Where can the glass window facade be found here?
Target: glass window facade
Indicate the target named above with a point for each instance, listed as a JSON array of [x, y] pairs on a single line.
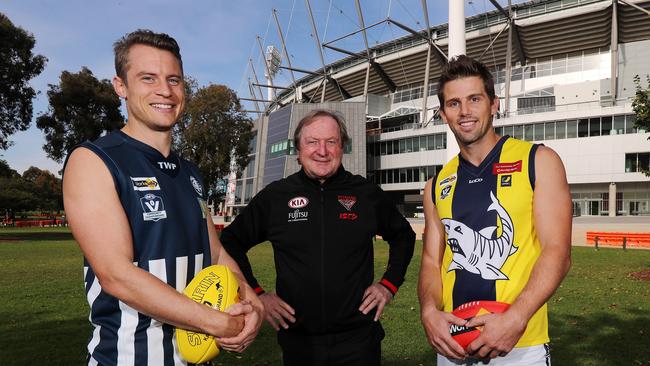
[[406, 145], [585, 127], [404, 175], [637, 162]]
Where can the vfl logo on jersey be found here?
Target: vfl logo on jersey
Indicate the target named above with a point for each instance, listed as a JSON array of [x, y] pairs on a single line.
[[347, 201], [506, 168], [298, 202], [445, 192], [197, 186], [449, 179], [476, 252], [153, 207], [145, 184], [506, 180]]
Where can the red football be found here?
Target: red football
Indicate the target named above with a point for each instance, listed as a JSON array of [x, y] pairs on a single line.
[[464, 335]]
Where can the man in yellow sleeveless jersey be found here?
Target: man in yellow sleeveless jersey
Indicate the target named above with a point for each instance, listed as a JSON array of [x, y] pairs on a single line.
[[498, 228]]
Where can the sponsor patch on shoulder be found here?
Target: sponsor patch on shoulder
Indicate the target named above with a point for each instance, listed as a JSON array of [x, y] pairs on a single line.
[[145, 184], [506, 168], [450, 179]]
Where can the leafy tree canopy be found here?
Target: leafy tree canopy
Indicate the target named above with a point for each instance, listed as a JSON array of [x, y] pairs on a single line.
[[18, 65], [17, 195], [6, 171], [81, 108], [641, 103], [214, 132], [47, 188], [36, 190]]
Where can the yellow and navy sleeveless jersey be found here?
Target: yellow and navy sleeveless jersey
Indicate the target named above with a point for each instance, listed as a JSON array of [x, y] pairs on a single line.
[[491, 243], [164, 201]]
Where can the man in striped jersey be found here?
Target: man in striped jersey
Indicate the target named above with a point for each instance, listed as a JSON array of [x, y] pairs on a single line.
[[138, 212]]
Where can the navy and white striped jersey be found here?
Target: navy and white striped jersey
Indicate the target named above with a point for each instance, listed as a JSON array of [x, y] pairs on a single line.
[[164, 200]]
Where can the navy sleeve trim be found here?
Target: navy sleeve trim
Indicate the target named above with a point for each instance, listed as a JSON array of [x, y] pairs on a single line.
[[434, 181], [531, 165]]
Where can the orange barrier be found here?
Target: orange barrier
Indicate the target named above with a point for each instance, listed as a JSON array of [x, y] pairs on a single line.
[[37, 223], [616, 239]]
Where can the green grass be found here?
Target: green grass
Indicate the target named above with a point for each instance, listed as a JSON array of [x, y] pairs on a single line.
[[43, 311], [599, 316]]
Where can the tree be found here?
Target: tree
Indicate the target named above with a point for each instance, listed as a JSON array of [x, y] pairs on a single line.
[[641, 108], [214, 132], [18, 65], [191, 86], [47, 188], [17, 195], [36, 189], [81, 108], [6, 171], [641, 104]]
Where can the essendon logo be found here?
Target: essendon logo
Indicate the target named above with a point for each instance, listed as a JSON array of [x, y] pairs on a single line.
[[506, 168], [347, 201], [298, 202]]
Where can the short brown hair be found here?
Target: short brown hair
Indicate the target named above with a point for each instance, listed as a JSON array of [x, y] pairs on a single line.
[[340, 121], [461, 67], [145, 37]]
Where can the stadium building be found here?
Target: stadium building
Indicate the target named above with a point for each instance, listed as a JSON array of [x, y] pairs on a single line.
[[564, 73]]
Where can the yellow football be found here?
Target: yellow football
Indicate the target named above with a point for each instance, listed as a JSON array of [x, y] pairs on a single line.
[[214, 286]]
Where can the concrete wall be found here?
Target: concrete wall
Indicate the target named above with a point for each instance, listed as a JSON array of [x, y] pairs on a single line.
[[600, 159], [632, 60]]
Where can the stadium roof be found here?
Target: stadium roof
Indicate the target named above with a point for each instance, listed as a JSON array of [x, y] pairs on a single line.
[[542, 29]]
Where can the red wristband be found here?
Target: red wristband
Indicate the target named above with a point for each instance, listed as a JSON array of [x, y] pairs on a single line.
[[392, 288]]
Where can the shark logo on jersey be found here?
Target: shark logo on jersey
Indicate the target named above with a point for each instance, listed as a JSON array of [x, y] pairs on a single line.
[[475, 252], [153, 207]]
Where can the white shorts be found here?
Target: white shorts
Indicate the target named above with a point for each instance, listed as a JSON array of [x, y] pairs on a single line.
[[538, 355]]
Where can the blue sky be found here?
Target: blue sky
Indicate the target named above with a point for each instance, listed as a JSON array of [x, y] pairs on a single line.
[[216, 37]]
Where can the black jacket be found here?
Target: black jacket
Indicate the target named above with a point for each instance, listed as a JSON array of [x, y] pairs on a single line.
[[322, 237]]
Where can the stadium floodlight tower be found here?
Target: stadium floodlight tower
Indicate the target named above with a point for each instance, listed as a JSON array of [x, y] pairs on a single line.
[[456, 48], [273, 60]]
